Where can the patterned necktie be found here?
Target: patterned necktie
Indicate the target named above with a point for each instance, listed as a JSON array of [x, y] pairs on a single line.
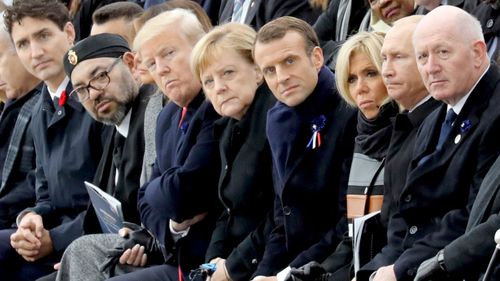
[[237, 10], [446, 128]]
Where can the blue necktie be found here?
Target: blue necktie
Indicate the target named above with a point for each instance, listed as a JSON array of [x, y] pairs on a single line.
[[446, 128], [237, 10]]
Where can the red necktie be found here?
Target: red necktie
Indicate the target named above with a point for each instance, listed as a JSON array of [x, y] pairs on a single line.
[[183, 113], [62, 99]]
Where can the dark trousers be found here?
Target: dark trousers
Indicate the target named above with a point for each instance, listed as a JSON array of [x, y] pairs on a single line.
[[14, 268], [155, 273]]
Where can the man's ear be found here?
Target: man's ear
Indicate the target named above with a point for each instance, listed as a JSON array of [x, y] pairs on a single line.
[[317, 57], [258, 75], [128, 59], [69, 29], [479, 50]]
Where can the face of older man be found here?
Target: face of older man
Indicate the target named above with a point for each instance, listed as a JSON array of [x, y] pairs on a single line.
[[447, 61], [290, 72], [106, 88], [391, 10], [399, 66], [167, 58]]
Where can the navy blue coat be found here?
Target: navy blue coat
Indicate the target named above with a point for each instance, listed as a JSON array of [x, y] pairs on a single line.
[[310, 184], [184, 179], [434, 204], [68, 144]]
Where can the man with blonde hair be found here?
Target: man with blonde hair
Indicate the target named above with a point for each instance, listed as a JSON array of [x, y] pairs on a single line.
[[179, 205]]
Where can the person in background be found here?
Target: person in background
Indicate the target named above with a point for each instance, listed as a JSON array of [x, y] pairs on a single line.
[[258, 13], [117, 18]]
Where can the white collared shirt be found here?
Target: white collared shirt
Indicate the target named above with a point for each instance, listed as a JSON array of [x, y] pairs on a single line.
[[422, 101], [460, 104], [122, 129], [59, 89]]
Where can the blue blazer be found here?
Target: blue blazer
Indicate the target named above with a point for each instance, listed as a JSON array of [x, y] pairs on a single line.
[[68, 145], [310, 184], [184, 180]]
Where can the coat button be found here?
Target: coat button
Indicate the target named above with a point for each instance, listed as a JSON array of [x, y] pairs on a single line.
[[226, 167], [407, 198], [254, 261], [287, 211], [413, 230], [489, 23], [228, 211], [59, 112]]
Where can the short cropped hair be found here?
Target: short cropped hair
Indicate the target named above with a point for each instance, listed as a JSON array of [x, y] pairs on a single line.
[[173, 4], [368, 43], [52, 10], [278, 28], [118, 10], [185, 22], [211, 47]]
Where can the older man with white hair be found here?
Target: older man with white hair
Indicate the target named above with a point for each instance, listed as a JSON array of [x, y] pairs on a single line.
[[456, 144]]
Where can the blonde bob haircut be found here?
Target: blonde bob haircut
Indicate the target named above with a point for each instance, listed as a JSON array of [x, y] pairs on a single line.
[[184, 21], [369, 43], [211, 47]]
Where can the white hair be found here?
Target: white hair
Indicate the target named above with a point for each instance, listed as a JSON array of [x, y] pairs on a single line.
[[184, 20]]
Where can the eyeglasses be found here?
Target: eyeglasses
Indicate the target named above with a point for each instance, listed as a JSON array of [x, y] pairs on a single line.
[[98, 83]]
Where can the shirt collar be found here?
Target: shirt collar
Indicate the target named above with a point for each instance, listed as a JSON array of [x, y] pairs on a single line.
[[422, 101], [123, 127], [460, 104], [60, 89]]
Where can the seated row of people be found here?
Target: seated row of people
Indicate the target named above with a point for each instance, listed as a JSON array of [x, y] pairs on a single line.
[[261, 191]]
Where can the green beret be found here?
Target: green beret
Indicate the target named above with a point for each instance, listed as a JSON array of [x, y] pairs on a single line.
[[96, 46]]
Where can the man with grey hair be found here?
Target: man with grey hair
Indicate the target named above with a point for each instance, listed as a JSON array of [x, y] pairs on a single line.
[[455, 146], [17, 152]]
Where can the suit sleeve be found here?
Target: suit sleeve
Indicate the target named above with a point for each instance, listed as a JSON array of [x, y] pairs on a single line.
[[243, 260], [275, 256], [326, 24], [216, 247], [472, 250]]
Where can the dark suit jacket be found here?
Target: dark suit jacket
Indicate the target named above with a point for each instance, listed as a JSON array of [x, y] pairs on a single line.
[[184, 180], [17, 185], [433, 205], [245, 182], [310, 184], [489, 17], [68, 145], [468, 256], [130, 170], [261, 12]]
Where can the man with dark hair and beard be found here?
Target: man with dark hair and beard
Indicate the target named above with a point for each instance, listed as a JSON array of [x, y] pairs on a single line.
[[100, 68]]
